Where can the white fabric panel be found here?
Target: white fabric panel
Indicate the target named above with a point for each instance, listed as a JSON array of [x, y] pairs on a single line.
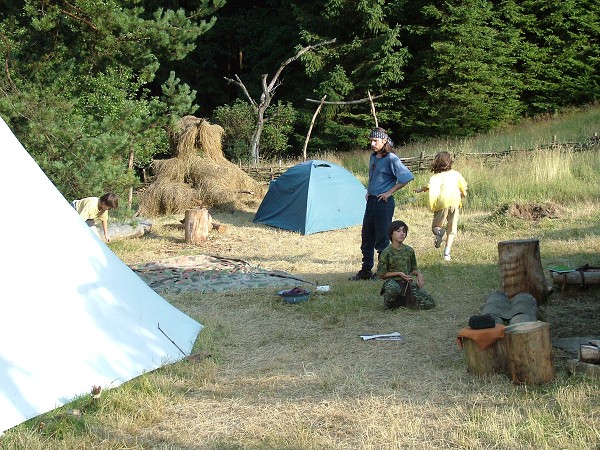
[[73, 315]]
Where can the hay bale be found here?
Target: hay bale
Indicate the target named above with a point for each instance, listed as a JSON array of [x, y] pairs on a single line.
[[197, 137], [167, 197], [198, 175], [172, 170]]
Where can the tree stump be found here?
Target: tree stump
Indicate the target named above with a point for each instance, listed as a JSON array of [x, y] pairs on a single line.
[[197, 224], [487, 361], [521, 269], [529, 353]]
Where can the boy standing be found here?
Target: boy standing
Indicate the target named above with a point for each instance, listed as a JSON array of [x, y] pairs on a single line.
[[91, 209], [397, 265]]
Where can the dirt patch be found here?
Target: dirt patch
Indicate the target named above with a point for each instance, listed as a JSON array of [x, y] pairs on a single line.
[[572, 313], [530, 211]]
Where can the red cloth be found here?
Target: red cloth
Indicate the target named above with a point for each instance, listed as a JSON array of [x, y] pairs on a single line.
[[483, 338]]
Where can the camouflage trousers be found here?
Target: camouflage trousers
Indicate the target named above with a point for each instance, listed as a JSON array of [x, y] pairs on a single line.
[[394, 296]]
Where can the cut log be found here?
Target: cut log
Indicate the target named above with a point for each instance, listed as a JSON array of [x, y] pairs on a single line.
[[578, 367], [529, 353], [521, 269], [487, 361], [219, 227], [120, 231], [575, 277], [589, 354], [197, 224]]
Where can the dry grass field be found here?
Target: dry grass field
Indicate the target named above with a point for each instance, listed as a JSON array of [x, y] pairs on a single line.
[[299, 376]]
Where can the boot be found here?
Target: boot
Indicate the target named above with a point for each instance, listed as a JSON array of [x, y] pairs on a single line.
[[362, 275]]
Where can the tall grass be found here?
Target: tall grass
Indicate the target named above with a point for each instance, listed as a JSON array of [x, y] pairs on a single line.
[[533, 177], [576, 125], [555, 176]]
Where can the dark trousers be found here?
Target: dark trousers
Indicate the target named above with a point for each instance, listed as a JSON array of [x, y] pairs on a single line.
[[374, 234]]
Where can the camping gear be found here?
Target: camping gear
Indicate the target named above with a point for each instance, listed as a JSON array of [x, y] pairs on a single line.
[[295, 295], [74, 316], [312, 197], [481, 321], [583, 276]]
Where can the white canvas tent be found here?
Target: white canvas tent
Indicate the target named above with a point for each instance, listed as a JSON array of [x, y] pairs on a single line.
[[73, 315]]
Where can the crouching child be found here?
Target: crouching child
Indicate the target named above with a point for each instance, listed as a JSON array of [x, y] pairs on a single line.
[[397, 266]]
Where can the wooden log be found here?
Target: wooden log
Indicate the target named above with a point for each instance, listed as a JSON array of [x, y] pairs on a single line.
[[574, 277], [521, 269], [197, 224], [589, 354], [487, 361], [578, 367], [529, 353]]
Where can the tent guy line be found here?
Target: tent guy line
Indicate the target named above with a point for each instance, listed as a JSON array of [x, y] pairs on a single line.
[[167, 336]]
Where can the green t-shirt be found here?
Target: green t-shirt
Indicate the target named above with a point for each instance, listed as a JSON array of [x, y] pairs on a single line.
[[392, 260]]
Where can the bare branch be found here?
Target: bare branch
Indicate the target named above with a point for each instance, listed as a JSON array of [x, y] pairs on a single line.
[[312, 123], [295, 57], [239, 83], [373, 108], [350, 102], [78, 18]]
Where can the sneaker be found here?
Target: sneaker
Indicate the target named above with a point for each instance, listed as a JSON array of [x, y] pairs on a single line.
[[362, 275], [447, 257], [439, 237]]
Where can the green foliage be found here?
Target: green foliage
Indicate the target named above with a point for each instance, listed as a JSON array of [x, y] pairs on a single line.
[[77, 93], [239, 122], [96, 80]]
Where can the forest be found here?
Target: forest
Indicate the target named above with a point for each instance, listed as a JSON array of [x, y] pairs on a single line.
[[94, 89]]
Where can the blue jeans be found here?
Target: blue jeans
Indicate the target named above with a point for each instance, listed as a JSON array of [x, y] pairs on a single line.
[[374, 234]]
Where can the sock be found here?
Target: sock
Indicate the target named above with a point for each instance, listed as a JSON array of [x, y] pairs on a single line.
[[447, 251]]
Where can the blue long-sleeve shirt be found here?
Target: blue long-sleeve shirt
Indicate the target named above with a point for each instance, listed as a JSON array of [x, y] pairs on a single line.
[[385, 172]]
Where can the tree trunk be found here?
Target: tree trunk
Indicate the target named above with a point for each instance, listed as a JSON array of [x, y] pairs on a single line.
[[197, 225], [254, 146], [521, 269], [487, 361], [529, 353]]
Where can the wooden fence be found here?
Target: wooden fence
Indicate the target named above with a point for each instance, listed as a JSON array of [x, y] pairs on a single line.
[[422, 162]]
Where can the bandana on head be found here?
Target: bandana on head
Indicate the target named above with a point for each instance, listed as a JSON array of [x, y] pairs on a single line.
[[378, 134]]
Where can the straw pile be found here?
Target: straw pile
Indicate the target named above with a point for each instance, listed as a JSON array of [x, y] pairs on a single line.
[[198, 175]]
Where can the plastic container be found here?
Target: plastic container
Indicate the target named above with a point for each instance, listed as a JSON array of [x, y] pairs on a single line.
[[293, 298]]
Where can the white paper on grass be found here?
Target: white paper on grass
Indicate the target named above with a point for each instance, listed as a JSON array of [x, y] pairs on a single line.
[[395, 336]]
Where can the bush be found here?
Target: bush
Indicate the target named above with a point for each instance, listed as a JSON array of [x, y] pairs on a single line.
[[239, 122]]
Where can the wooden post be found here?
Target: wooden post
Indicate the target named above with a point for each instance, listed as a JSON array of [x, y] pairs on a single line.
[[197, 224], [373, 109], [487, 361], [529, 353], [312, 124], [521, 269]]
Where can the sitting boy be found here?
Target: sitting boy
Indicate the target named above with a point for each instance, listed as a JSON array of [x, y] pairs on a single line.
[[397, 264]]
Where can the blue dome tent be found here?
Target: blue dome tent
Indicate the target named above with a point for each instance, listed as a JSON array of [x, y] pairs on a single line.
[[312, 197]]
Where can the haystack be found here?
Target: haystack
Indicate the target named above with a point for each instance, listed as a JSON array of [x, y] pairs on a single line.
[[197, 175]]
